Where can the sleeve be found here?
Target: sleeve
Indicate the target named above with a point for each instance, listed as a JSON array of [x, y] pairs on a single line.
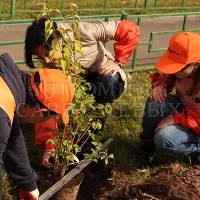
[[160, 79], [127, 36], [5, 127], [188, 119], [125, 33]]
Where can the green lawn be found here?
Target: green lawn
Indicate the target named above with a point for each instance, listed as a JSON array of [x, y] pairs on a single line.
[[92, 6], [125, 123]]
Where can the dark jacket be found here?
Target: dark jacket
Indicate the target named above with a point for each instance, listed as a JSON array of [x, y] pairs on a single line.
[[12, 147]]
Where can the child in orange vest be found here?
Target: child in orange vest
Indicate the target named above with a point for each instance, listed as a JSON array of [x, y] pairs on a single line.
[[26, 98]]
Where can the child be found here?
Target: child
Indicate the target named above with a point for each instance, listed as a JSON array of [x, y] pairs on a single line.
[[22, 96], [103, 70], [171, 123]]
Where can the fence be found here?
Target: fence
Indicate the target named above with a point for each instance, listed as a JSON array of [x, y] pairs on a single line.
[[23, 6], [139, 19]]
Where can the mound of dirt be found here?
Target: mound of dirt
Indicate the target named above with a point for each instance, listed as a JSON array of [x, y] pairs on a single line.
[[174, 182]]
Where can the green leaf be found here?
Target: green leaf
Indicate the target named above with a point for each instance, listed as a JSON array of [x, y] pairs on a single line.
[[94, 143], [99, 125], [108, 109], [100, 106], [48, 24], [94, 126], [55, 44], [70, 77], [52, 54], [58, 11], [48, 33], [77, 17], [63, 64], [106, 161], [52, 141], [67, 30], [74, 6], [111, 156], [67, 53], [103, 157]]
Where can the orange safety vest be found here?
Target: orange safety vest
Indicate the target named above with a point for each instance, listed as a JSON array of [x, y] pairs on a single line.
[[7, 100]]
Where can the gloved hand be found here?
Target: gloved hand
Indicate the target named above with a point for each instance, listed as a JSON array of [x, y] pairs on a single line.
[[33, 195]]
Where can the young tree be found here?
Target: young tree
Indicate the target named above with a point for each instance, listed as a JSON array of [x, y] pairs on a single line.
[[85, 114]]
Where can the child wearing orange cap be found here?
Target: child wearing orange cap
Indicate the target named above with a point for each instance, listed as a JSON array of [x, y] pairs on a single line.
[[171, 123], [27, 97]]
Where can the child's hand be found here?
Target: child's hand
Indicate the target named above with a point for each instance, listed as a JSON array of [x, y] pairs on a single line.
[[158, 94], [168, 121], [48, 159], [108, 67]]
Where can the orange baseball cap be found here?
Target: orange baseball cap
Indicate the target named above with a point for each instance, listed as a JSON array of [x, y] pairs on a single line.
[[184, 48], [54, 90]]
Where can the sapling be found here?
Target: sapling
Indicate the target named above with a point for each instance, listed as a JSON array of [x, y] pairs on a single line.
[[85, 115]]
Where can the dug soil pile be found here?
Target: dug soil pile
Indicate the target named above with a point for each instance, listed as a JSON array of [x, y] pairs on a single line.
[[170, 183]]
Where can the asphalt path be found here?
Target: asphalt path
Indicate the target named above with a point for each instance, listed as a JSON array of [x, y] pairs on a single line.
[[17, 32]]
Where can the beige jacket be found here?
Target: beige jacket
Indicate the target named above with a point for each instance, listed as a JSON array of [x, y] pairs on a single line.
[[92, 36]]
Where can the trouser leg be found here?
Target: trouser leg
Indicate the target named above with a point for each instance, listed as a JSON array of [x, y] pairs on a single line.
[[154, 113], [177, 139], [106, 88]]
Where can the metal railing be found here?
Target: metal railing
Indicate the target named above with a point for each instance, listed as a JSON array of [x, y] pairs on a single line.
[[139, 18], [27, 6]]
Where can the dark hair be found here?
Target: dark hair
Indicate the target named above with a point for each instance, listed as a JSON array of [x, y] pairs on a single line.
[[35, 36], [196, 81]]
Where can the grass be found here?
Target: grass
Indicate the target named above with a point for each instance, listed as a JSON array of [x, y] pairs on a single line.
[[125, 123], [92, 5]]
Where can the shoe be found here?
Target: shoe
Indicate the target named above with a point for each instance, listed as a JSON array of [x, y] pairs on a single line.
[[144, 159], [194, 158]]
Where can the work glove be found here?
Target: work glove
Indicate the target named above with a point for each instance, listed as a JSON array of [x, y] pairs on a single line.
[[33, 195]]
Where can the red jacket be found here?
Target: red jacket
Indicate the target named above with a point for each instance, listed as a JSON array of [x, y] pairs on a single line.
[[189, 116]]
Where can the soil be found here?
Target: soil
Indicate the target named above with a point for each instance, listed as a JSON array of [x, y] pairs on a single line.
[[174, 182]]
